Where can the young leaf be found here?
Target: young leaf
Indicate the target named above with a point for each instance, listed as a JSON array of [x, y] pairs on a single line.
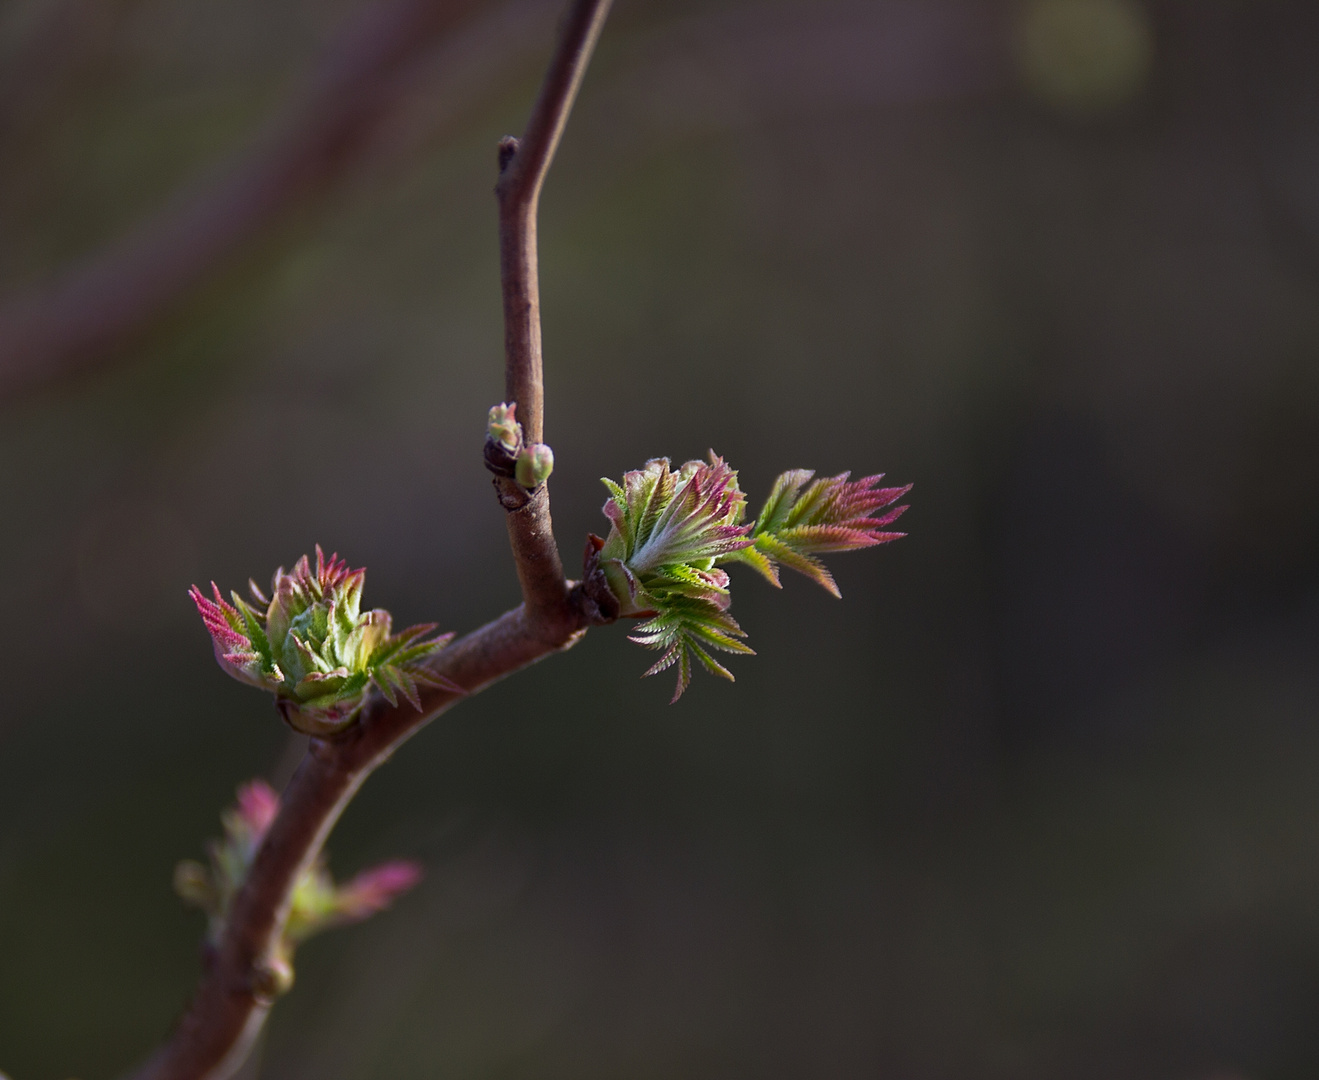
[[669, 531], [802, 519]]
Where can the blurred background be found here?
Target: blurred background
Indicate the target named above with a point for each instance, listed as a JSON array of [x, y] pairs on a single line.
[[1037, 799]]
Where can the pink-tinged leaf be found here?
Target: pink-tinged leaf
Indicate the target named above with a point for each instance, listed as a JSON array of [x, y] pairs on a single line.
[[426, 677], [237, 653], [684, 676], [386, 685], [663, 663], [759, 562], [781, 498], [408, 688], [711, 664], [804, 517], [616, 514], [773, 549], [257, 806], [374, 890], [220, 619], [889, 518]]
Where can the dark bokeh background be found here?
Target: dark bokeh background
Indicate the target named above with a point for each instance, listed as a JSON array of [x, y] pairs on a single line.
[[1037, 799]]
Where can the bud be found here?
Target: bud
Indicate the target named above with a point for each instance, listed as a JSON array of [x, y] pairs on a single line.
[[503, 427], [535, 463], [667, 529], [670, 531], [314, 647], [272, 978]]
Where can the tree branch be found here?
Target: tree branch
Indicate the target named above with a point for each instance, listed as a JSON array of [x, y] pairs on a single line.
[[522, 167], [230, 1006]]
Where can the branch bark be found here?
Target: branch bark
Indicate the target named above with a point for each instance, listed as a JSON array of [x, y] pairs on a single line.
[[523, 164]]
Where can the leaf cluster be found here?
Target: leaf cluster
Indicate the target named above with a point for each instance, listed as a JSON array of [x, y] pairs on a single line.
[[314, 648], [670, 531]]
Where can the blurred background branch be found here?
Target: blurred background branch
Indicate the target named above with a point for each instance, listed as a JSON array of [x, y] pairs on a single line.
[[395, 75], [329, 127]]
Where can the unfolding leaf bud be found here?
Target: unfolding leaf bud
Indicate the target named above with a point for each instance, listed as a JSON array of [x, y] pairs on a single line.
[[669, 531], [535, 463], [312, 645], [504, 428]]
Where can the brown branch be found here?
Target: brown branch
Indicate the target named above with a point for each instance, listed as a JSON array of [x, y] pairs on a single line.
[[523, 164], [230, 1006], [50, 331]]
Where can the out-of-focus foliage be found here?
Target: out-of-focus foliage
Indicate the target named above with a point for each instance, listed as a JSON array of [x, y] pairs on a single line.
[[318, 903]]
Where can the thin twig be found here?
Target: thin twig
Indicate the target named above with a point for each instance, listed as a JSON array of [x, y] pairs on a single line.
[[523, 164], [229, 1008]]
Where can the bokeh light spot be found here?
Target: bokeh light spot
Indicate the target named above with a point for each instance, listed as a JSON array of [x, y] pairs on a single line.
[[1084, 57]]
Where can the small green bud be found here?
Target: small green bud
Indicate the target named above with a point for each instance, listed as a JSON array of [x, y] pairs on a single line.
[[535, 463], [504, 428], [272, 978]]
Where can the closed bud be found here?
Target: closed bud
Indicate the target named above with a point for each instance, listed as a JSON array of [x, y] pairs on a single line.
[[535, 463]]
